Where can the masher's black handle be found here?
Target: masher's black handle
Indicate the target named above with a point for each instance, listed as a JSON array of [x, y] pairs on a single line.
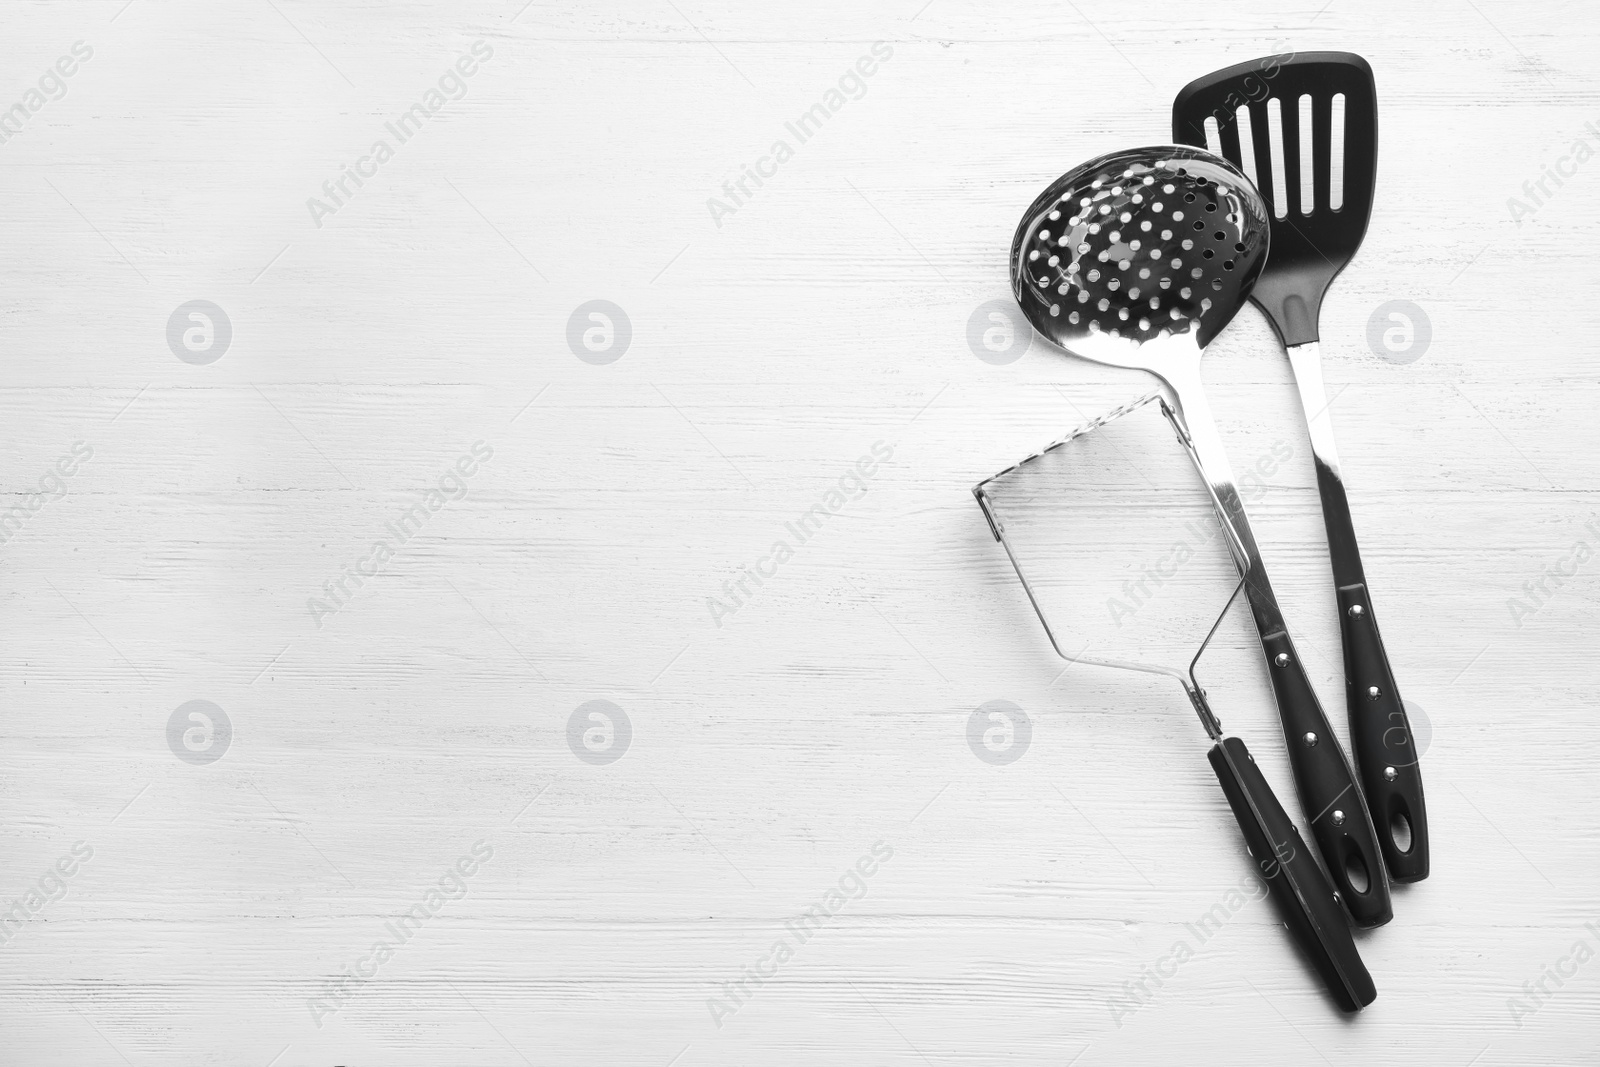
[[1333, 804], [1303, 895]]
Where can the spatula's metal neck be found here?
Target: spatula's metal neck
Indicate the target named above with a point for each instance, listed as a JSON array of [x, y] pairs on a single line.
[[1343, 550], [1306, 360]]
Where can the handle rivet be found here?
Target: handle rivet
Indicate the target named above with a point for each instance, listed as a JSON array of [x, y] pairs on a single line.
[[1310, 739], [1374, 692], [1355, 611], [1389, 774], [1338, 818], [1281, 659]]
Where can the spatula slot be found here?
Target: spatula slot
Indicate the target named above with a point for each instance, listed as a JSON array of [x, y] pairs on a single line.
[[1280, 190], [1247, 147], [1308, 162], [1213, 136], [1336, 155]]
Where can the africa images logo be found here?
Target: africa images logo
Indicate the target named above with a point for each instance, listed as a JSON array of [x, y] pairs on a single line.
[[810, 122], [451, 486], [400, 929], [851, 486], [851, 885], [451, 85]]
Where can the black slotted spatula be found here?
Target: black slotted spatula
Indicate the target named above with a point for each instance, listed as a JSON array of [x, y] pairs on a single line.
[[1313, 237]]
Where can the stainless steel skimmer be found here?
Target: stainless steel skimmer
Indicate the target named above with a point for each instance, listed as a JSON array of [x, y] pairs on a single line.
[[1139, 259]]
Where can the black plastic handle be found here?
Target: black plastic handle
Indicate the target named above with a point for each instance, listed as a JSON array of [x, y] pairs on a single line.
[[1380, 736], [1380, 733], [1304, 897], [1335, 807]]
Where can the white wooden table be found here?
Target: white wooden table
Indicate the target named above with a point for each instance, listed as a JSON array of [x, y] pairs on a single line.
[[382, 737]]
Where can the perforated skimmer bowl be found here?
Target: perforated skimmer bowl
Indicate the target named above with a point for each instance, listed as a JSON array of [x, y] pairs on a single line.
[[1139, 258]]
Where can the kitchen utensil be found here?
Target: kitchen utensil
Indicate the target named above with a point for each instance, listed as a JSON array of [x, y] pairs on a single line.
[[1138, 259], [1318, 184], [1067, 518]]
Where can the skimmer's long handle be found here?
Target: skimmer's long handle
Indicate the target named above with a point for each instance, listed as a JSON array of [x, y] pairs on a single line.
[[1380, 732], [1324, 781]]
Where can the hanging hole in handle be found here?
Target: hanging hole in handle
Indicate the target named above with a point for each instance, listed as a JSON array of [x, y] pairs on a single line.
[[1400, 831], [1355, 871]]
